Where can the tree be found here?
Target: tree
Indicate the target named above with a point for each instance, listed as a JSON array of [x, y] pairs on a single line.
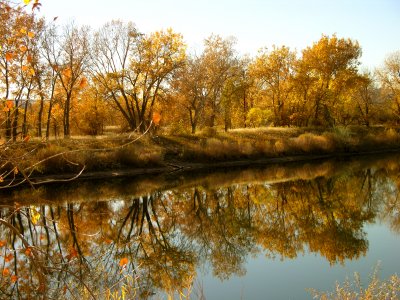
[[135, 70], [74, 59], [273, 72], [327, 70], [389, 77], [220, 59]]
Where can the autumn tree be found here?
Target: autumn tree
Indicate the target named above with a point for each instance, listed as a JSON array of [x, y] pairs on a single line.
[[273, 72], [389, 78], [220, 58], [71, 67], [16, 31], [327, 70], [134, 70]]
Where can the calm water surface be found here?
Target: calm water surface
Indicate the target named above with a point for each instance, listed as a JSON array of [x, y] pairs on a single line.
[[262, 233]]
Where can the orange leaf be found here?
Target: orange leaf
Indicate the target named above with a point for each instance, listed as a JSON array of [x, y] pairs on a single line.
[[83, 82], [6, 272], [123, 262], [9, 103], [8, 257], [67, 73], [24, 68], [29, 58], [23, 48], [26, 139], [156, 118], [31, 34], [14, 278], [72, 253], [9, 56], [28, 251], [3, 243]]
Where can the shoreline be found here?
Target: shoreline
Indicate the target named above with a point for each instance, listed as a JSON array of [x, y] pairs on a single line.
[[183, 166]]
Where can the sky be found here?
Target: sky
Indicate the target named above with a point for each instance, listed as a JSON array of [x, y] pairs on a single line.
[[256, 24]]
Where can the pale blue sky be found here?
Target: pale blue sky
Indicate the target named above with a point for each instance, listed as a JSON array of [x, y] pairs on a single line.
[[255, 23]]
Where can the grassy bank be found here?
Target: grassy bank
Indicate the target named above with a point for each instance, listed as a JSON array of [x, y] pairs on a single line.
[[123, 152]]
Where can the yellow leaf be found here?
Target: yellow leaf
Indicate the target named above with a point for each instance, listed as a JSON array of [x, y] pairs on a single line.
[[23, 31], [32, 71], [15, 171], [35, 215], [27, 2]]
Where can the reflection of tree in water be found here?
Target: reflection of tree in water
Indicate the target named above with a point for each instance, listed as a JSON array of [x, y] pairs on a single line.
[[75, 249]]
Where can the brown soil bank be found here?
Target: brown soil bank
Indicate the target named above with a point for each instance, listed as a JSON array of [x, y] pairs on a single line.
[[128, 155]]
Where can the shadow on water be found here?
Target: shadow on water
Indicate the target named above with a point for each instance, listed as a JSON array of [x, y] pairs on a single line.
[[148, 236]]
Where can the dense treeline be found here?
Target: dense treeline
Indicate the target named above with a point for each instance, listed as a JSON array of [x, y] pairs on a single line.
[[63, 80]]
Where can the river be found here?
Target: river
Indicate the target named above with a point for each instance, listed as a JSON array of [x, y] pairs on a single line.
[[265, 232]]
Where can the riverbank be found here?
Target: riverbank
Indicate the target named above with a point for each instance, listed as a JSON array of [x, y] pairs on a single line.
[[129, 155]]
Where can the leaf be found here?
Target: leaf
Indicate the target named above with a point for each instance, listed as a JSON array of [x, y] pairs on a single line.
[[67, 72], [16, 171], [6, 272], [35, 215], [29, 58], [9, 56], [27, 2], [72, 253], [14, 278], [83, 82], [31, 34], [156, 118], [28, 251], [23, 48], [24, 68], [8, 257], [123, 262], [27, 138], [32, 71], [23, 31], [3, 242], [9, 104]]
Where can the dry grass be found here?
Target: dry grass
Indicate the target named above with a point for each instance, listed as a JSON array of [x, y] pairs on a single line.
[[116, 152], [354, 290]]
